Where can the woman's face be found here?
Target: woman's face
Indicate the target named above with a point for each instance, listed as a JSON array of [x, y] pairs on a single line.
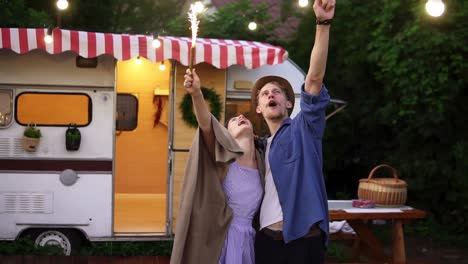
[[240, 125]]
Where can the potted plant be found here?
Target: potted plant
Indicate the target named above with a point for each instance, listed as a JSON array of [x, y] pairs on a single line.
[[31, 137], [72, 137]]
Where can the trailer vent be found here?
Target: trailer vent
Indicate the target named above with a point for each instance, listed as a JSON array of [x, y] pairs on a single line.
[[13, 147], [5, 147], [26, 203]]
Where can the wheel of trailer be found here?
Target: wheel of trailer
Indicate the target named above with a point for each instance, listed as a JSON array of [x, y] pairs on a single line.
[[67, 239]]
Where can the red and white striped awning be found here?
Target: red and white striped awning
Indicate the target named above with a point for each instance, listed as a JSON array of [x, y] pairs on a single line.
[[221, 53]]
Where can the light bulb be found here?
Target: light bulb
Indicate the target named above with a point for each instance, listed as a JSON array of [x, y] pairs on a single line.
[[303, 3], [138, 60], [48, 39], [156, 43], [162, 67], [62, 4], [435, 8], [252, 25], [198, 6]]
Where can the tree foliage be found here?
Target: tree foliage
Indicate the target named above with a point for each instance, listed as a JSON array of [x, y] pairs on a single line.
[[405, 77], [230, 22], [19, 14], [116, 16], [141, 16], [422, 67], [404, 74]]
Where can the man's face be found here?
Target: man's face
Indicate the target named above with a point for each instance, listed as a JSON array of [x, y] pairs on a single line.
[[272, 102]]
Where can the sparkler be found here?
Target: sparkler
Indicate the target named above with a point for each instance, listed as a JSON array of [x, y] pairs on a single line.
[[194, 10]]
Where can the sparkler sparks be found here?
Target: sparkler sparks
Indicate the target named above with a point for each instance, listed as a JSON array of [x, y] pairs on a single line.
[[194, 26], [195, 9]]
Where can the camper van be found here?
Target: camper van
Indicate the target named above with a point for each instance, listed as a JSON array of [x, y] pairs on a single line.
[[114, 135]]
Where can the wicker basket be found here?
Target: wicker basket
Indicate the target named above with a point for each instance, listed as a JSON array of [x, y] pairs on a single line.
[[388, 192]]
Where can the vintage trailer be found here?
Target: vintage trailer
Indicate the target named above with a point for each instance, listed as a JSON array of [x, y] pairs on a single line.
[[124, 97]]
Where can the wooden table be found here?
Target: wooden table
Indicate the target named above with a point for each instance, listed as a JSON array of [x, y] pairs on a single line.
[[358, 221]]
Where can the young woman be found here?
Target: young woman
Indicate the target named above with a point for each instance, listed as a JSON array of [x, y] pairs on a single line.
[[222, 189]]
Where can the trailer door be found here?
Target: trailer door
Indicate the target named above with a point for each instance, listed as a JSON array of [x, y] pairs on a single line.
[[141, 148]]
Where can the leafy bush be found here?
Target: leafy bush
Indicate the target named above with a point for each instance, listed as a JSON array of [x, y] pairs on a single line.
[[25, 246], [404, 76], [32, 131], [128, 248]]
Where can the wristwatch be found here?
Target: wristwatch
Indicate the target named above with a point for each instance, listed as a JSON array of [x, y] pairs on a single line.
[[324, 22]]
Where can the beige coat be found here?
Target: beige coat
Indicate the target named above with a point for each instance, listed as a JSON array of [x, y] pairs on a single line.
[[204, 215]]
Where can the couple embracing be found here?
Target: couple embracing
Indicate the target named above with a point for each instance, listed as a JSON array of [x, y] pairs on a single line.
[[230, 178]]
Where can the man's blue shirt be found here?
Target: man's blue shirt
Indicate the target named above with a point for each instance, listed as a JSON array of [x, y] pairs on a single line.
[[296, 165]]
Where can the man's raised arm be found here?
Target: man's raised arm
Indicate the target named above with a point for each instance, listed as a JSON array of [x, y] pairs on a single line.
[[324, 11]]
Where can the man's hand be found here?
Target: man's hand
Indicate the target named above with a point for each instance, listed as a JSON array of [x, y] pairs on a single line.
[[324, 9], [192, 82]]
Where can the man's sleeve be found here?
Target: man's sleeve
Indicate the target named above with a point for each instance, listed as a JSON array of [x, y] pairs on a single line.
[[313, 110]]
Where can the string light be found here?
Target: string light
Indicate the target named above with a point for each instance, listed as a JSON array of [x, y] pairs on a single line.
[[62, 4], [252, 25], [435, 8], [252, 16], [162, 67], [303, 3], [138, 60], [48, 37], [156, 43]]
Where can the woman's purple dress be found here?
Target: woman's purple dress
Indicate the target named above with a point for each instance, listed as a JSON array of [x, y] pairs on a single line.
[[244, 192]]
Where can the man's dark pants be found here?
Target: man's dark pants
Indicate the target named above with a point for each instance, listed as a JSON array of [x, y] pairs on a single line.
[[271, 249]]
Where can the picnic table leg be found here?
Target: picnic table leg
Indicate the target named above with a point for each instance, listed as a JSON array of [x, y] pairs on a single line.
[[356, 249], [369, 241], [399, 254]]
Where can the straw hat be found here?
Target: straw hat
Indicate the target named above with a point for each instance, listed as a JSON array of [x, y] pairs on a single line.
[[284, 84]]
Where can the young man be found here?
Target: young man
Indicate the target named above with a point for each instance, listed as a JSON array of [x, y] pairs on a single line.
[[294, 211]]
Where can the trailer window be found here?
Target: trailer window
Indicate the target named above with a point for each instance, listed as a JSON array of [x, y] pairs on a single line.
[[6, 107], [127, 112], [53, 109], [235, 107]]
